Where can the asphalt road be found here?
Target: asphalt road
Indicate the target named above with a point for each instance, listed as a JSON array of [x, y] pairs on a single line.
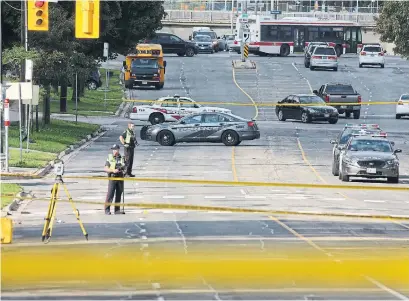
[[288, 152]]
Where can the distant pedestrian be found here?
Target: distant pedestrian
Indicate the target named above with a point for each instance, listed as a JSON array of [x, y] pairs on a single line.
[[114, 166], [128, 139]]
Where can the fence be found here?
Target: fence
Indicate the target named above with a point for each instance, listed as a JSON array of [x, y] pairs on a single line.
[[224, 17]]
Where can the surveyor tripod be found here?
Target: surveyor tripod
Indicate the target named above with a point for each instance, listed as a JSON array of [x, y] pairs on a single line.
[[49, 219]]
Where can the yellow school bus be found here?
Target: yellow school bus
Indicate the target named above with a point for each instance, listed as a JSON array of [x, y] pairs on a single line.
[[145, 67]]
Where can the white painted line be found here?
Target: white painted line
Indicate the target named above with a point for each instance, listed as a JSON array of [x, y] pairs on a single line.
[[173, 197], [144, 237], [254, 196], [334, 199], [160, 298], [407, 202], [142, 231], [215, 197], [242, 191], [275, 190], [142, 224], [144, 246], [391, 291], [295, 66], [374, 201], [133, 197], [141, 218], [95, 197], [295, 197]]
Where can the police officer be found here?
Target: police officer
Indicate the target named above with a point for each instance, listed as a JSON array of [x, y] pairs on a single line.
[[128, 139], [114, 166]]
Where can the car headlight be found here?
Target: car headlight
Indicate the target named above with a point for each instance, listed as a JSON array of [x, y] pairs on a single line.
[[155, 74], [350, 161], [312, 110], [392, 162]]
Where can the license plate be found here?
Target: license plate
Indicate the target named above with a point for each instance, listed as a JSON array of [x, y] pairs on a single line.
[[144, 83], [343, 107], [326, 115], [371, 170]]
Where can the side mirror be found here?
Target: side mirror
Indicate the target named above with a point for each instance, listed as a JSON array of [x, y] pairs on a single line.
[[315, 91], [397, 151], [333, 141], [164, 64]]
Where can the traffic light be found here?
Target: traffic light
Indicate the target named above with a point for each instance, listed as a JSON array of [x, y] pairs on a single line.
[[87, 19], [37, 15]]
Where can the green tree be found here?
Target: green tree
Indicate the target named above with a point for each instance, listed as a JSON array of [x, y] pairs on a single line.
[[393, 25]]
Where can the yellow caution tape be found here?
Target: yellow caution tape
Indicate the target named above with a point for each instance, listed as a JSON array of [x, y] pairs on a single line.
[[275, 104], [228, 183]]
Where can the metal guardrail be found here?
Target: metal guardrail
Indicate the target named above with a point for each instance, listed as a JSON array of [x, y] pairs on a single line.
[[224, 17]]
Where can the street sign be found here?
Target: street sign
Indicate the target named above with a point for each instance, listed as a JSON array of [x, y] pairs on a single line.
[[106, 47], [275, 12], [244, 15], [29, 70], [13, 93], [243, 20]]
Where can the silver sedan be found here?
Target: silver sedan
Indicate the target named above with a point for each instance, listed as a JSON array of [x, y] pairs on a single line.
[[205, 127], [370, 157]]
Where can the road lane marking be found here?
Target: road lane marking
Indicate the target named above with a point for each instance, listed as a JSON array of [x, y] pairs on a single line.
[[215, 197], [254, 196], [374, 201], [245, 93], [308, 241], [389, 290], [173, 197], [295, 67]]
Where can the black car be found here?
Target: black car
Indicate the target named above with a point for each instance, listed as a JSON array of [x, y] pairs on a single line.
[[173, 44], [306, 107]]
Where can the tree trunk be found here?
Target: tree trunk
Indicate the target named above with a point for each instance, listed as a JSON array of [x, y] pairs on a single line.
[[47, 111], [81, 85], [55, 88], [74, 90], [63, 97]]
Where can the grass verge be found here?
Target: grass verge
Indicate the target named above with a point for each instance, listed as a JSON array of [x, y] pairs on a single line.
[[92, 103], [8, 192], [49, 141]]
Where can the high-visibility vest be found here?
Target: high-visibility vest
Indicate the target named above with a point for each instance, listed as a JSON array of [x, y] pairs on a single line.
[[129, 135], [112, 161]]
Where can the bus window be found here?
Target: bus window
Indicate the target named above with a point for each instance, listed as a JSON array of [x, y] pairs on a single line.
[[285, 34], [325, 33], [359, 38], [269, 33], [338, 33], [312, 34]]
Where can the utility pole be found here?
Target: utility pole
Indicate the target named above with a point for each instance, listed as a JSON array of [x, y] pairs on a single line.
[[244, 13]]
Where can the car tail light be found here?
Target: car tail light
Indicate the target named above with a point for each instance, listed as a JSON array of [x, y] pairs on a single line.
[[316, 57], [250, 123], [383, 134], [326, 98], [235, 42], [380, 53], [332, 58], [400, 102], [363, 53], [134, 110], [359, 99]]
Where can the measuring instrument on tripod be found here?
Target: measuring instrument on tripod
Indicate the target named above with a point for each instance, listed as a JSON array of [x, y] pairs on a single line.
[[52, 208]]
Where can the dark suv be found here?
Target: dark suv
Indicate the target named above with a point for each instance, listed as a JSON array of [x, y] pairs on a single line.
[[173, 44]]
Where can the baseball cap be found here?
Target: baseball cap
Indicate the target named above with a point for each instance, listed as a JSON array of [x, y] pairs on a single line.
[[115, 146]]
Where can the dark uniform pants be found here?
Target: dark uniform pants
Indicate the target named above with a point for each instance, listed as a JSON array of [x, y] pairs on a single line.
[[129, 152], [115, 188]]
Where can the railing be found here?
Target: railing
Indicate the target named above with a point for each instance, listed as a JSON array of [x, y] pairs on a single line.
[[224, 17]]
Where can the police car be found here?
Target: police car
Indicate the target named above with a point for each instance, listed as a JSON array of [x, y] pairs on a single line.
[[170, 109]]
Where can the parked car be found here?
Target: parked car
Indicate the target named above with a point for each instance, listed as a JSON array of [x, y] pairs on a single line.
[[173, 44], [204, 43], [402, 107], [324, 57], [372, 55], [211, 34], [309, 50]]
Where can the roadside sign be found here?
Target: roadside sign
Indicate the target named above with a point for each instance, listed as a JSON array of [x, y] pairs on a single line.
[[243, 20], [29, 70], [244, 16], [275, 12], [106, 46]]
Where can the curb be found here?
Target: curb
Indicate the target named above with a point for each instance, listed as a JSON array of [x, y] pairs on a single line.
[[13, 206], [121, 106], [44, 171]]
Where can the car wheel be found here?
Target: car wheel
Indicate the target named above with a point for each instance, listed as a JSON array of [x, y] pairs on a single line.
[[144, 129], [190, 52], [156, 118], [312, 68], [284, 50], [158, 87], [398, 116], [281, 115], [357, 114], [92, 85], [166, 138], [333, 120], [382, 66], [345, 178], [335, 170], [393, 180], [360, 65], [230, 138], [338, 50], [306, 65], [347, 114], [305, 117], [336, 69]]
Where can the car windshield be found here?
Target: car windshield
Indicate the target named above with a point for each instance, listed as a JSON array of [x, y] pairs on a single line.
[[340, 89], [405, 97], [372, 49], [230, 37], [211, 34], [324, 51], [311, 99], [370, 146], [145, 63], [348, 134], [203, 38]]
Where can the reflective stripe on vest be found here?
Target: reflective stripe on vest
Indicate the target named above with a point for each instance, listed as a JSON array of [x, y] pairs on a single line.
[[112, 161], [129, 135]]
